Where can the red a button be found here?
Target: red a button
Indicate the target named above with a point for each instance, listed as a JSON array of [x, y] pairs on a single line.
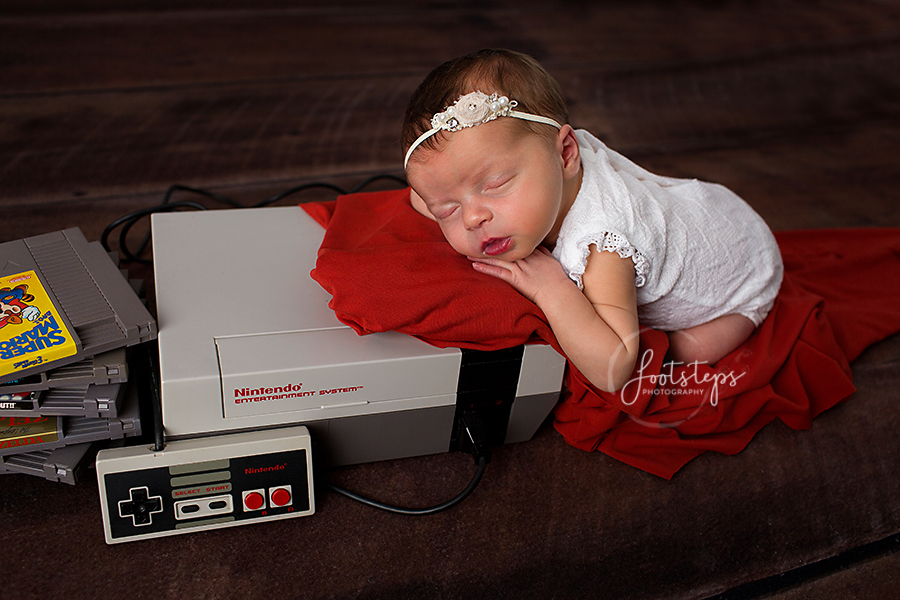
[[280, 496]]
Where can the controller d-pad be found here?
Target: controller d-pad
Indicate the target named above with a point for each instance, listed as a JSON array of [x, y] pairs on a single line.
[[140, 506]]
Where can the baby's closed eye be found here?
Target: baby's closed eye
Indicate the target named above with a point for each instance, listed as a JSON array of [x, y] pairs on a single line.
[[445, 211], [498, 185]]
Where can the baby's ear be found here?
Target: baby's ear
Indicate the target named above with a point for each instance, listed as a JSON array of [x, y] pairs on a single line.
[[569, 151], [417, 203]]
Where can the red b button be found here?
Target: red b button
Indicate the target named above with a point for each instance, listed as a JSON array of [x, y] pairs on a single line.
[[254, 501]]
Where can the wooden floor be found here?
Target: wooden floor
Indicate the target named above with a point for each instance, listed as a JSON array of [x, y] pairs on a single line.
[[104, 104]]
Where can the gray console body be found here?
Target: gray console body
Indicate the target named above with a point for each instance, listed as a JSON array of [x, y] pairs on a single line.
[[247, 342]]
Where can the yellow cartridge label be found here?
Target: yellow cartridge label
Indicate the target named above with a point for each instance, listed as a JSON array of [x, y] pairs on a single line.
[[31, 331], [28, 431]]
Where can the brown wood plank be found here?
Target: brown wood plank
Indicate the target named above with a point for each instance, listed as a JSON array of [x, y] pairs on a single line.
[[108, 143], [112, 46], [826, 179], [735, 101], [55, 147]]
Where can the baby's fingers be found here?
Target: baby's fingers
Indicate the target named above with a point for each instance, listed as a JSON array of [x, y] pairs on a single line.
[[497, 262], [490, 267]]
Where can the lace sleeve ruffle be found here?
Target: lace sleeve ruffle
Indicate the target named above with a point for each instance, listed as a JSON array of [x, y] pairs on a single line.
[[612, 242]]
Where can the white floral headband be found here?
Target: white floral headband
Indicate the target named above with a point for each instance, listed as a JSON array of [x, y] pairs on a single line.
[[474, 109]]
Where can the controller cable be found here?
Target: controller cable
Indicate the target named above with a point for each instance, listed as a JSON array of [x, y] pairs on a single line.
[[474, 441]]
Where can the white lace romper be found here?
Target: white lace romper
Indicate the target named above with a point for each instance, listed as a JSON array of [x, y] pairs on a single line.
[[699, 250]]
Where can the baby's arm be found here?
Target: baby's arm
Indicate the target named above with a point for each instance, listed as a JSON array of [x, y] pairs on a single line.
[[597, 329]]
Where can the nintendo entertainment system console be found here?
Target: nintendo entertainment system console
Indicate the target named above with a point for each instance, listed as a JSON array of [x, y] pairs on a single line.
[[254, 366]]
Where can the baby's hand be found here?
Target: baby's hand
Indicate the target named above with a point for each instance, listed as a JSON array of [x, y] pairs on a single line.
[[536, 274]]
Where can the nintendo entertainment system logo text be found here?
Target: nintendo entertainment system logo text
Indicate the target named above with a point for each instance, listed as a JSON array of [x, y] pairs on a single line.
[[291, 390]]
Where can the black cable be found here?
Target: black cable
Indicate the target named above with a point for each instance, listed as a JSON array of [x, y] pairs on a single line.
[[200, 191], [472, 428], [159, 440], [129, 220], [299, 188], [482, 464], [132, 218], [375, 178], [129, 256], [164, 207]]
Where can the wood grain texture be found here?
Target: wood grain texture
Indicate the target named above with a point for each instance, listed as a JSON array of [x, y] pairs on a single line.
[[111, 101]]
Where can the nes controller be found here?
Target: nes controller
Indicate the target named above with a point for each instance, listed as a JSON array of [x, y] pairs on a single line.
[[209, 483]]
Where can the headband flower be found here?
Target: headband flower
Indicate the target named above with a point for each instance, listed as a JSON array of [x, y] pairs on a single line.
[[474, 108]]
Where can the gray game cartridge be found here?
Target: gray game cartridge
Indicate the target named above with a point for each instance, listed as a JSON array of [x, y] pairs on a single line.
[[91, 401], [63, 465], [104, 368], [127, 424], [71, 430], [92, 301]]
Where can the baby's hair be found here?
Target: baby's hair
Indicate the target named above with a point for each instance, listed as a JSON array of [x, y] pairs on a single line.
[[508, 73]]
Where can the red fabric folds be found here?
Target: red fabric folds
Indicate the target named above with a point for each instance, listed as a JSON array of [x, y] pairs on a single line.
[[388, 268]]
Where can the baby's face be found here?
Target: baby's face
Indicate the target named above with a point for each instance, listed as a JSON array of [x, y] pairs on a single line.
[[494, 190]]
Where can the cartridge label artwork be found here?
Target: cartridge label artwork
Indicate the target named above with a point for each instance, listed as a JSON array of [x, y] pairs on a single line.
[[18, 432], [31, 331]]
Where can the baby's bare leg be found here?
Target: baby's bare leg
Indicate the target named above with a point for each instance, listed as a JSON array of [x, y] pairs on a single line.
[[710, 341]]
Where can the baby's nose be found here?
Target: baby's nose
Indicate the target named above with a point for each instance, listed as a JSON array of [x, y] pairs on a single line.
[[476, 216]]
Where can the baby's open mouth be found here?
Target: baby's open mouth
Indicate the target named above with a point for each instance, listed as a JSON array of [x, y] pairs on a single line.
[[495, 246]]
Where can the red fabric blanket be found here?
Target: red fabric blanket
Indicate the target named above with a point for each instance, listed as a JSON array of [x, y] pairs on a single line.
[[389, 268]]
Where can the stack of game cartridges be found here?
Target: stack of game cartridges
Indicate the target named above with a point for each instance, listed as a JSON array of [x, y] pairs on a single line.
[[67, 316]]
